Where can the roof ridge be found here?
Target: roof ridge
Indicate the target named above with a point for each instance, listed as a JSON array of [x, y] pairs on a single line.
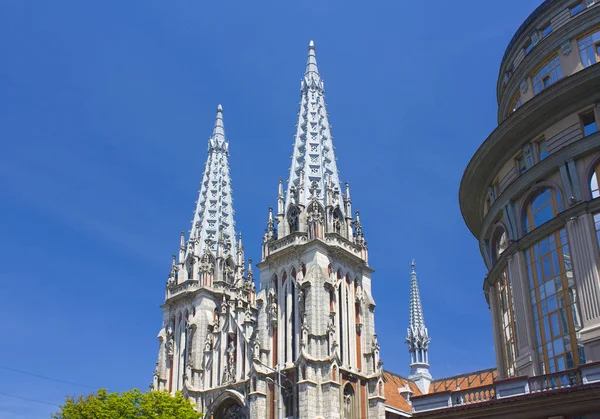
[[396, 375], [465, 374]]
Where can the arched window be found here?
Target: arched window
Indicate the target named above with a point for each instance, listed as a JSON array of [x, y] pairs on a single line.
[[499, 243], [338, 221], [594, 180], [542, 208], [288, 399], [349, 409], [555, 303], [294, 219]]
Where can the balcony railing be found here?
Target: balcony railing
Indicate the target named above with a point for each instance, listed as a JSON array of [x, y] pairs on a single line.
[[511, 387]]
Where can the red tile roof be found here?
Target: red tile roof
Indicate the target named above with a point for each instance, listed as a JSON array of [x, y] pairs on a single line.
[[394, 382], [393, 397], [464, 381]]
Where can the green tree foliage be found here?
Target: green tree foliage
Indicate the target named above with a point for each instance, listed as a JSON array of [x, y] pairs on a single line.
[[128, 405]]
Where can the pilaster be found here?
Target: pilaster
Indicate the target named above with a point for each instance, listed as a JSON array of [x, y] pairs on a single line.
[[587, 281], [498, 341], [523, 312]]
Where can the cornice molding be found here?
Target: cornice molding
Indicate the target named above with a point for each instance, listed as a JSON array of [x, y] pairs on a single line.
[[538, 172], [557, 102]]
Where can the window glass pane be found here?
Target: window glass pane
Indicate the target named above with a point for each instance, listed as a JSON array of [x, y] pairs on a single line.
[[546, 30], [542, 150], [594, 184], [543, 215], [521, 164], [578, 8], [597, 223], [547, 75], [588, 120], [587, 50]]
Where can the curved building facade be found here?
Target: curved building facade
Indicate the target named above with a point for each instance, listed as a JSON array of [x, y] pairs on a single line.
[[530, 194]]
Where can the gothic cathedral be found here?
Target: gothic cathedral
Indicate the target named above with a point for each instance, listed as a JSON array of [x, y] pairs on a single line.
[[303, 345]]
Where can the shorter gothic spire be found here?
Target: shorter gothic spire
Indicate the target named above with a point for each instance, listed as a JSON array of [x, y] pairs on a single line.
[[418, 337], [417, 321]]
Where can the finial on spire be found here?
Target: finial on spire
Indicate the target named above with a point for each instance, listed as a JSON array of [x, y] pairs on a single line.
[[219, 126], [311, 65], [412, 265]]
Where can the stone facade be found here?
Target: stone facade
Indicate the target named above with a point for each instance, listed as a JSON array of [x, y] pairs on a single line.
[[305, 345]]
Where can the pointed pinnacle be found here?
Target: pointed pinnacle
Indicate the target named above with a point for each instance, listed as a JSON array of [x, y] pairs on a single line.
[[311, 65], [219, 126]]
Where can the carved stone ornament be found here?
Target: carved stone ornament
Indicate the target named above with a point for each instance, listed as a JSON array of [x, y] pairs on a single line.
[[256, 348], [208, 342], [566, 47], [170, 343]]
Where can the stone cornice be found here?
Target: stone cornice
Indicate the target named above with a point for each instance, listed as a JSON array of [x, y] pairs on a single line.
[[540, 171], [555, 103]]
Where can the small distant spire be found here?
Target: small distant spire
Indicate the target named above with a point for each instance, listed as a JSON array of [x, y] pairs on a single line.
[[416, 310], [418, 338]]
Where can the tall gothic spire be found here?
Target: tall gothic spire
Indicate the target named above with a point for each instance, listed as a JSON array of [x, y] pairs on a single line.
[[313, 160], [213, 218], [418, 337]]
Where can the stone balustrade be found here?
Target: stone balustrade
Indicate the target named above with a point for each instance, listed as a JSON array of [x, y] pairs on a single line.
[[511, 387]]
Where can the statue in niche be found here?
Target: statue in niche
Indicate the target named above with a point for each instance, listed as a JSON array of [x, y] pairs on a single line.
[[170, 343], [256, 349], [231, 361], [273, 307], [331, 333], [301, 301], [304, 329], [348, 406]]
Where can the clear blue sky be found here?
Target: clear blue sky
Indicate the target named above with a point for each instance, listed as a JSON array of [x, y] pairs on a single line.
[[105, 111]]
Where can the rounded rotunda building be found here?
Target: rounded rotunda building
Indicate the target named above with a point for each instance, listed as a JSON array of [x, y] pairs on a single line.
[[530, 194]]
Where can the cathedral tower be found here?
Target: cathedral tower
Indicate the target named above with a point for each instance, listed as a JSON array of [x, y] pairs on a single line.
[[418, 338], [316, 352], [209, 310]]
